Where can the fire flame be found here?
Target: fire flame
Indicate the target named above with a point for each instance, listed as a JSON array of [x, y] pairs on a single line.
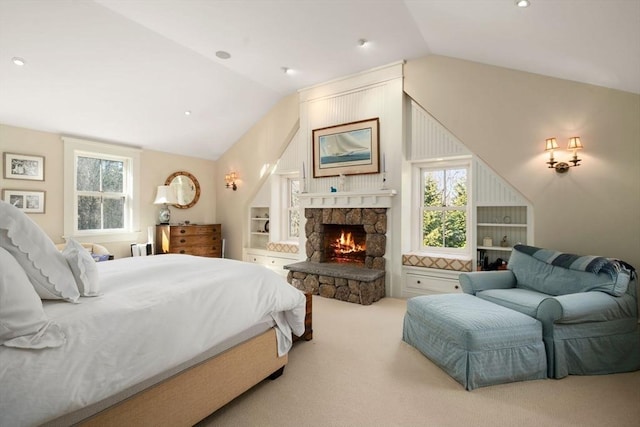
[[346, 244]]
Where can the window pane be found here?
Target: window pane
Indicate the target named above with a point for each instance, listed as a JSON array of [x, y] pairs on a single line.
[[113, 213], [456, 187], [294, 223], [88, 213], [293, 193], [433, 188], [432, 229], [88, 174], [455, 229], [112, 176]]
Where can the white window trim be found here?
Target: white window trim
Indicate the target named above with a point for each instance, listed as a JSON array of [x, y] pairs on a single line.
[[73, 146], [416, 201]]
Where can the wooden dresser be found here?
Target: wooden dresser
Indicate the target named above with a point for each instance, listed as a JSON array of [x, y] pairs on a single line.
[[201, 240]]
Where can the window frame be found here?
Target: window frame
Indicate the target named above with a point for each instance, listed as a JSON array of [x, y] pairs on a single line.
[[74, 148], [288, 208], [418, 200]]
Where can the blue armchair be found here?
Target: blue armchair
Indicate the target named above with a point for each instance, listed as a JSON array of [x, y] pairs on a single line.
[[588, 307]]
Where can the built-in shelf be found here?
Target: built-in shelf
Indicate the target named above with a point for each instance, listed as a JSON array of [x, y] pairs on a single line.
[[258, 227], [497, 222]]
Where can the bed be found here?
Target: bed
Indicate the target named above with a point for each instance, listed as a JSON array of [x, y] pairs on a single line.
[[162, 340]]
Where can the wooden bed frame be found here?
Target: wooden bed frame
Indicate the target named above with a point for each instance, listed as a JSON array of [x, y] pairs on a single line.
[[193, 394]]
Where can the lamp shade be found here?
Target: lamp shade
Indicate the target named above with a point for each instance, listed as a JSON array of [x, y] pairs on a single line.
[[550, 144], [165, 195], [574, 143]]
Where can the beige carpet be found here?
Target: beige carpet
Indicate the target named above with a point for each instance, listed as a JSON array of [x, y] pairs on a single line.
[[357, 371]]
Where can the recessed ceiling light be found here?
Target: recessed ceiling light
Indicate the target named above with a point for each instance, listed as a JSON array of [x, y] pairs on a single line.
[[187, 113], [223, 55], [523, 3], [18, 61], [287, 70], [363, 43]]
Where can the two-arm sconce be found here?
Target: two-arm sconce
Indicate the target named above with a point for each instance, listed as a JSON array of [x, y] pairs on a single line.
[[230, 179], [561, 167]]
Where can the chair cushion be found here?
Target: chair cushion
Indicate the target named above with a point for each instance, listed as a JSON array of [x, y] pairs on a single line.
[[536, 275], [521, 300]]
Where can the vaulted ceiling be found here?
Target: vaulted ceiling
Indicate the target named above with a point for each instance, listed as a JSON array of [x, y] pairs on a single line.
[[127, 71]]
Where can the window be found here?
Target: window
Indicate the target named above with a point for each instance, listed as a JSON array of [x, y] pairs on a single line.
[[293, 209], [101, 191], [444, 219]]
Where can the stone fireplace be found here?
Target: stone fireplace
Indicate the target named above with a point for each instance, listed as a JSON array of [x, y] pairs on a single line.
[[345, 248]]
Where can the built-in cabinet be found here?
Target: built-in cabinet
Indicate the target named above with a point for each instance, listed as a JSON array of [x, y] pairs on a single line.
[[429, 281], [258, 227], [498, 229]]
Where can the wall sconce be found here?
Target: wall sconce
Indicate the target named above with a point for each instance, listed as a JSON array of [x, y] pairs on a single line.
[[561, 167], [165, 195], [230, 178]]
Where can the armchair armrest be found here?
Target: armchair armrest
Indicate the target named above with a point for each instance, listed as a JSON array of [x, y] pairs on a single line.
[[482, 280], [586, 307]]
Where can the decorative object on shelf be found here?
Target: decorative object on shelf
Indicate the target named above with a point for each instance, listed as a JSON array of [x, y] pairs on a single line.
[[506, 219], [22, 166], [487, 241], [26, 201], [504, 242], [165, 195], [348, 149], [561, 167], [266, 227], [186, 187], [230, 180], [342, 183]]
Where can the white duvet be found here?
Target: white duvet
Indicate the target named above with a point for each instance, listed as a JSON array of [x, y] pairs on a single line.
[[154, 313]]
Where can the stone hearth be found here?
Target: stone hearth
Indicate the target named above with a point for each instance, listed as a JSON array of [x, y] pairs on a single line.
[[344, 281]]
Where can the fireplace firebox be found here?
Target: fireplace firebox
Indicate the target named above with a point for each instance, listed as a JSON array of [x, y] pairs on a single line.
[[345, 244]]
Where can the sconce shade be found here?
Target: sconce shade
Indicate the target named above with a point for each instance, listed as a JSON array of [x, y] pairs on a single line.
[[574, 143], [550, 144], [165, 195]]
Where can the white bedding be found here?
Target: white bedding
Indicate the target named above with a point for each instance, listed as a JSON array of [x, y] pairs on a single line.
[[154, 313]]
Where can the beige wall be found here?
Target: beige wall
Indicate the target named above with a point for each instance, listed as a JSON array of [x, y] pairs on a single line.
[[155, 167], [504, 116], [252, 157]]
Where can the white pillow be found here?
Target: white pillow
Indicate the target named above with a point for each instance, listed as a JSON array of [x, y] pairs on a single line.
[[23, 323], [45, 266], [83, 268]]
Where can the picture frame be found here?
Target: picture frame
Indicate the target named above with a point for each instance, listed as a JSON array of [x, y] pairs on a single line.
[[23, 166], [347, 149], [25, 200]]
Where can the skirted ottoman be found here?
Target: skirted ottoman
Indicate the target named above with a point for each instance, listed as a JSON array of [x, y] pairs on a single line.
[[477, 342]]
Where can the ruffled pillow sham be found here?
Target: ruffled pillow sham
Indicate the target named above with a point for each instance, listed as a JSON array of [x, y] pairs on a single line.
[[83, 267], [44, 265], [23, 322]]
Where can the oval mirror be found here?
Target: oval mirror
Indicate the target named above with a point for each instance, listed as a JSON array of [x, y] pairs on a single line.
[[187, 188]]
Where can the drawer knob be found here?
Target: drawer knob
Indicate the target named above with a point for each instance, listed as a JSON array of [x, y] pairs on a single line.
[[254, 260], [457, 287], [418, 281], [181, 251], [182, 240], [183, 231]]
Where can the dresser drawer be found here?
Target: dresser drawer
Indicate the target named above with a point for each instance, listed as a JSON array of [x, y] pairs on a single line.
[[194, 230], [196, 240], [208, 251]]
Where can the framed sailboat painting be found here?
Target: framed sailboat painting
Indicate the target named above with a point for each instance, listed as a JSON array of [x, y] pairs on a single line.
[[347, 149]]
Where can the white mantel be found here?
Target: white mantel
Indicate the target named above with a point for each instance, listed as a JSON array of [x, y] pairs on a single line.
[[348, 199]]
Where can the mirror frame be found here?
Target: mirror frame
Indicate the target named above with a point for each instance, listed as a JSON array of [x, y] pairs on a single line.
[[196, 184]]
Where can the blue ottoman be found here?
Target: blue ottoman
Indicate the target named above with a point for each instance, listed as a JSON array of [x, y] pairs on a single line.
[[477, 342]]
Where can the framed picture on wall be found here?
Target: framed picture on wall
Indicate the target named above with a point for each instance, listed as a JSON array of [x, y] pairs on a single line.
[[22, 166], [26, 201], [347, 149]]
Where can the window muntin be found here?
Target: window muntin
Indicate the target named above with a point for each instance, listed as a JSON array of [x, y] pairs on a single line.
[[444, 218]]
